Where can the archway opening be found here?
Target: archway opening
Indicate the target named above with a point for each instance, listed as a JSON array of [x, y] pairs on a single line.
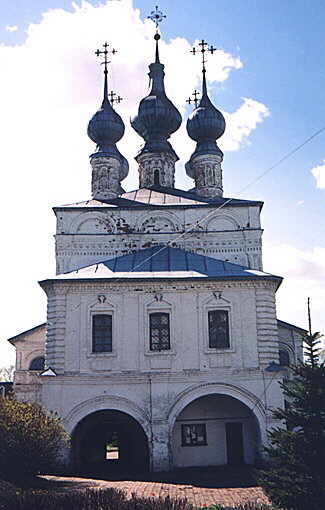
[[110, 441], [215, 430]]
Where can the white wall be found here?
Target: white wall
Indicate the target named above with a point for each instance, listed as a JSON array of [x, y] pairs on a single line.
[[86, 236]]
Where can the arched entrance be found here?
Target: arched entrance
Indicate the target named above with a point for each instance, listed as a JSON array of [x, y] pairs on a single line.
[[215, 429], [110, 440]]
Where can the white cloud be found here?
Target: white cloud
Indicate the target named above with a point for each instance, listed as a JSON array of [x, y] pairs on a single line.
[[319, 174], [45, 105], [242, 122], [11, 28], [304, 276]]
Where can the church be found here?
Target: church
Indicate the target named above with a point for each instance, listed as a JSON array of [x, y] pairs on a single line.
[[161, 347]]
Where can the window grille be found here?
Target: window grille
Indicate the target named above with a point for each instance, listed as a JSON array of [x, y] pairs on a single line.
[[194, 434], [284, 358], [218, 329], [102, 333], [159, 331]]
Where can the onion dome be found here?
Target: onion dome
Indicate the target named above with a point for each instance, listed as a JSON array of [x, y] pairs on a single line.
[[205, 125], [157, 117], [106, 127]]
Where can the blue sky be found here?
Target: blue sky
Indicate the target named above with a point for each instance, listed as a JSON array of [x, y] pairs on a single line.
[[280, 47]]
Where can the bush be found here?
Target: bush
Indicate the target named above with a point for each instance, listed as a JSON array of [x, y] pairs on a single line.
[[108, 499], [31, 440], [8, 495]]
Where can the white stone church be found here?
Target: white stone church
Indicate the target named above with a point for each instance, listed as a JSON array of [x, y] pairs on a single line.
[[162, 347]]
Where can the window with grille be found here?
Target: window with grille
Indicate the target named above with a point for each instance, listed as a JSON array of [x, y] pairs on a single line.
[[194, 434], [102, 333], [284, 358], [218, 329], [159, 331]]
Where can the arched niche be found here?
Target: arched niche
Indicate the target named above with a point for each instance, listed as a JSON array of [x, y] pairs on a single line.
[[91, 222], [157, 222], [222, 222]]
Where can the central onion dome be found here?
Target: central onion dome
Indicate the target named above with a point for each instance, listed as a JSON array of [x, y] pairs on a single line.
[[205, 125], [157, 117]]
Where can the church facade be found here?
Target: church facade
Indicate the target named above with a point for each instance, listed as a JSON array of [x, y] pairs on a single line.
[[162, 347]]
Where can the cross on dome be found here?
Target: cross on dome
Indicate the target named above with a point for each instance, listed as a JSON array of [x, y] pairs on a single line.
[[194, 100], [105, 63], [203, 49], [157, 17]]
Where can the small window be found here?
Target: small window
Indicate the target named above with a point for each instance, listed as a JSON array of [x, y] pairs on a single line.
[[194, 435], [37, 363], [284, 358], [159, 331], [102, 333], [218, 329]]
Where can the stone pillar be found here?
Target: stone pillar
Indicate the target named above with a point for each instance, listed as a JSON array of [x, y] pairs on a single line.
[[160, 446], [106, 177], [156, 169], [207, 172]]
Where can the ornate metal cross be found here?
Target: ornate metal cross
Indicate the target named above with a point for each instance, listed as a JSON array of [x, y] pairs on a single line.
[[190, 100], [113, 99], [203, 49], [157, 16], [105, 52]]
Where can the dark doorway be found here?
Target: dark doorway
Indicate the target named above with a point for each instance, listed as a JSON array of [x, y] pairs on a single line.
[[235, 443], [110, 441]]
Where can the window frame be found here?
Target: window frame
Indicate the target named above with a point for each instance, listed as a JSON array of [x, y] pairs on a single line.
[[96, 313], [205, 308], [150, 327], [191, 444], [221, 347]]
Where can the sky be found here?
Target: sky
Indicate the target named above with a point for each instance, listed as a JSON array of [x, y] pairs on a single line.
[[267, 77]]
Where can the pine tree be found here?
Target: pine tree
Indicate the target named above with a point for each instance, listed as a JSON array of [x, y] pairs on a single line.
[[295, 479]]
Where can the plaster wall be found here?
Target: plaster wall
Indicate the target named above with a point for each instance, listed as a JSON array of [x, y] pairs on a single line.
[[72, 304], [89, 235]]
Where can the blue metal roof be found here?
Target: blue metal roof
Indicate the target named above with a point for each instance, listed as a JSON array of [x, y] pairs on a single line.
[[162, 262], [157, 196], [165, 258]]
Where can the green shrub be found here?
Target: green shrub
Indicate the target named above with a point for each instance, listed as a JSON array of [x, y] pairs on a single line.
[[31, 440], [295, 478], [8, 495]]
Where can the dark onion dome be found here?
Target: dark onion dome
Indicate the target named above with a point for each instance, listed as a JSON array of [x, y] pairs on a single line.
[[106, 128], [157, 117], [205, 125]]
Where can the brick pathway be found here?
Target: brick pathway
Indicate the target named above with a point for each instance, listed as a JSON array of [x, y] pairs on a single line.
[[203, 488]]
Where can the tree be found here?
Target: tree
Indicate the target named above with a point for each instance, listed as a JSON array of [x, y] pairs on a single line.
[[296, 476], [7, 373], [31, 440]]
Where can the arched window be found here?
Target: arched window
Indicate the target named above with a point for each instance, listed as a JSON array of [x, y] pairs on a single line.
[[218, 322], [102, 333], [37, 363], [284, 358], [156, 178], [159, 331]]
